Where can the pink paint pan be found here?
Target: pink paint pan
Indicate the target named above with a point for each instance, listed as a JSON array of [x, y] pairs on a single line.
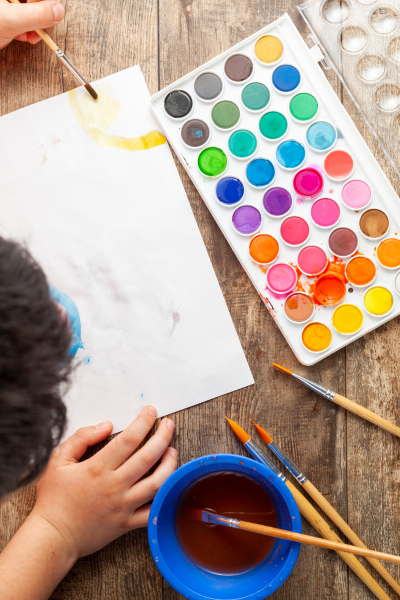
[[325, 213], [312, 261], [281, 278]]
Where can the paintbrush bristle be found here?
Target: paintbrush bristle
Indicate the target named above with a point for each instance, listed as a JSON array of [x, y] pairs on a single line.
[[91, 91], [282, 369], [238, 431], [196, 514], [263, 434]]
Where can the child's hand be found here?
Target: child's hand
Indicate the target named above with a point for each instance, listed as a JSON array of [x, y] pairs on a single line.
[[93, 502], [19, 21]]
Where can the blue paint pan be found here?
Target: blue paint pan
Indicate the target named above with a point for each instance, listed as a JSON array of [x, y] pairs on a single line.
[[188, 578]]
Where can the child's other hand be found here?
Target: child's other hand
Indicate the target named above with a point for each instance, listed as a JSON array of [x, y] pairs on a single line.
[[19, 21], [91, 503]]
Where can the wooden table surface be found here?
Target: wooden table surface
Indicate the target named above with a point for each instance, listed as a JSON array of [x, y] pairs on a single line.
[[353, 463]]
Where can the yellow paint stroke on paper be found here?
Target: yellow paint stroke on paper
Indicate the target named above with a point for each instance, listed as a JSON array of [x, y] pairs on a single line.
[[96, 117]]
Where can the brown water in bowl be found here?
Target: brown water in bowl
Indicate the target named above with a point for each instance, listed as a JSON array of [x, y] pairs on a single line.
[[221, 549]]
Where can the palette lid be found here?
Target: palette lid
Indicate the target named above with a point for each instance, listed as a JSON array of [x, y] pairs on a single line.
[[360, 40]]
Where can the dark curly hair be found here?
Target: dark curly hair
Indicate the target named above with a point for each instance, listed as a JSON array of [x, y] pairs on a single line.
[[34, 362]]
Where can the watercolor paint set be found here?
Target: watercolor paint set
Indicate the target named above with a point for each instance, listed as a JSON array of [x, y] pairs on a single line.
[[293, 186], [361, 41]]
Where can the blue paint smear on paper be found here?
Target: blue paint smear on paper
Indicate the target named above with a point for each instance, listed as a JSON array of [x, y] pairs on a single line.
[[87, 360], [73, 315]]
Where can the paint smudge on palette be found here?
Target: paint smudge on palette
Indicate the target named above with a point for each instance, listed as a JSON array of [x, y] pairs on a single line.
[[72, 313]]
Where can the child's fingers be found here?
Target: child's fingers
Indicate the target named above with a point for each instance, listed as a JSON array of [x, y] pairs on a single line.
[[20, 18], [140, 518], [138, 464], [145, 490], [122, 446], [75, 446]]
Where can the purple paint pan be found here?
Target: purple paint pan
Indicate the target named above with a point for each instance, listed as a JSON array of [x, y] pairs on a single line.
[[247, 220]]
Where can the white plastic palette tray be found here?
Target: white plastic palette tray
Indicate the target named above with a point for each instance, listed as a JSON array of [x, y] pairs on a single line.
[[366, 168]]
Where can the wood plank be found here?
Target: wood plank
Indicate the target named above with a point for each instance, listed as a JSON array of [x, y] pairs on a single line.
[[311, 430]]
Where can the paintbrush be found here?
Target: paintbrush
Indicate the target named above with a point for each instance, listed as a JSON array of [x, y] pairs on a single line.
[[309, 512], [61, 56], [342, 401], [208, 517], [324, 505]]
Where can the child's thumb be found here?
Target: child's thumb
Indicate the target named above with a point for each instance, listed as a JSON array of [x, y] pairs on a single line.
[[21, 18]]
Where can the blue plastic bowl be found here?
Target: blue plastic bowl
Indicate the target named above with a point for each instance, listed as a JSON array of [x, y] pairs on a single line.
[[191, 580]]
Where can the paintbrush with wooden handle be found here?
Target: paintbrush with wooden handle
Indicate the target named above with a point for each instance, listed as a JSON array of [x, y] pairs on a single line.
[[213, 519], [61, 56], [342, 401], [324, 505], [309, 512]]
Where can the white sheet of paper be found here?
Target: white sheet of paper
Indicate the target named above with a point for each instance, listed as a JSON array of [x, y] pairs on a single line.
[[113, 229]]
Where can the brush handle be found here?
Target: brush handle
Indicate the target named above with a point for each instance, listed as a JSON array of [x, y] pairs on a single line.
[[348, 532], [320, 525], [45, 36], [282, 534], [366, 414]]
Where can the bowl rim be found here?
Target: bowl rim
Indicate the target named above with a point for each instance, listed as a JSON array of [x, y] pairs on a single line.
[[210, 461]]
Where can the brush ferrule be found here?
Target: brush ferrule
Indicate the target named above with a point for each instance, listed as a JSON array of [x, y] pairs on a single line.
[[65, 61], [261, 457], [209, 517], [287, 462], [320, 389]]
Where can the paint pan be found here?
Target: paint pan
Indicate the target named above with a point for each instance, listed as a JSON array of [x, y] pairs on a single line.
[[338, 165], [242, 144], [212, 161], [303, 108], [308, 183], [256, 97], [273, 126], [268, 50], [247, 220], [286, 79], [312, 261], [277, 202], [178, 104], [295, 231], [330, 289], [356, 194], [208, 86], [260, 173], [325, 213], [238, 68], [321, 136], [281, 278], [225, 115], [229, 191], [374, 224], [264, 249], [299, 307], [347, 319], [378, 301], [397, 282], [195, 133], [388, 253], [343, 242], [360, 271], [316, 337], [290, 155]]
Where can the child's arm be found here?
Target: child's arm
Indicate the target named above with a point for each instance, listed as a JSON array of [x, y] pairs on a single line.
[[19, 21], [82, 506]]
